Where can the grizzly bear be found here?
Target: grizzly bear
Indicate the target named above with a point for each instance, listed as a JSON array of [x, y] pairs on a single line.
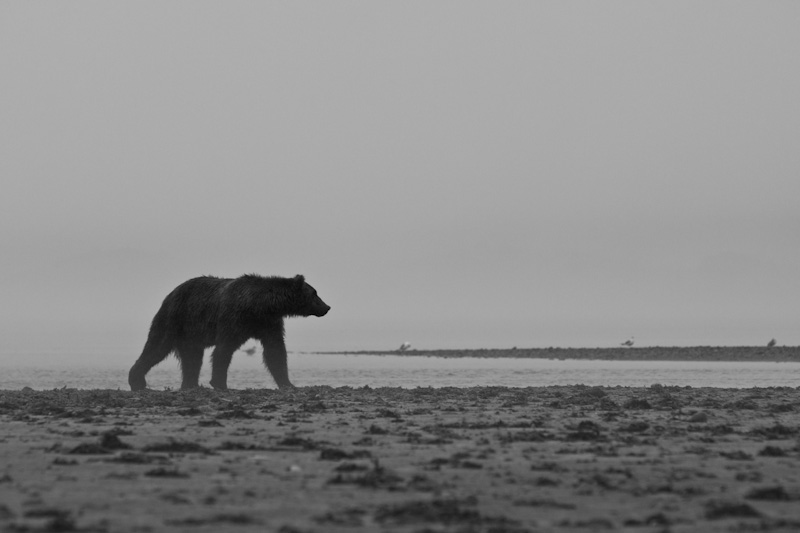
[[225, 313]]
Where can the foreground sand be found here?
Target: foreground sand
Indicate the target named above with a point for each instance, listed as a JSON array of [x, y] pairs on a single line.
[[472, 460]]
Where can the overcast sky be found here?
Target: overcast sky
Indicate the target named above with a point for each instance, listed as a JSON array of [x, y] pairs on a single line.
[[453, 174]]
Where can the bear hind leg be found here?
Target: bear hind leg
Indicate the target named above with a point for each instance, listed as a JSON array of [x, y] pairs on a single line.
[[153, 353]]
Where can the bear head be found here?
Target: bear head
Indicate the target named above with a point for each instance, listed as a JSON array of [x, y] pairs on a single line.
[[310, 303]]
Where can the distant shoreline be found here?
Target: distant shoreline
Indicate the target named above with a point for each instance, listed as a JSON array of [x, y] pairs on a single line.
[[650, 353]]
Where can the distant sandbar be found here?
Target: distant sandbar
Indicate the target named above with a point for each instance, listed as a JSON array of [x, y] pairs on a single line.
[[654, 353]]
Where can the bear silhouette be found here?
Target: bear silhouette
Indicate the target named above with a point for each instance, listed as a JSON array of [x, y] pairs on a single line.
[[225, 313]]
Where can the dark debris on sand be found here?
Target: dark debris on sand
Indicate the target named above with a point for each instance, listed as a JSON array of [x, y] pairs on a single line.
[[481, 459]]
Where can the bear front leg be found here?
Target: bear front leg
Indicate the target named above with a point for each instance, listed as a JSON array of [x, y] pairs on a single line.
[[191, 358], [275, 358], [220, 361]]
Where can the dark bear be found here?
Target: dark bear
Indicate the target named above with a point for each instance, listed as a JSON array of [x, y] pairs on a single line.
[[225, 313]]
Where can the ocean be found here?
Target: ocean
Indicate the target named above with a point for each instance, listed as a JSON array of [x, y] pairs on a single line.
[[51, 371]]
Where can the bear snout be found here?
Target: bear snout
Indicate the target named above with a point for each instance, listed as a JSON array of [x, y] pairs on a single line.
[[319, 308]]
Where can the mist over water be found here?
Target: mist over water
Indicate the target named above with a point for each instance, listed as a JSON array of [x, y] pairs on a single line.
[[44, 372]]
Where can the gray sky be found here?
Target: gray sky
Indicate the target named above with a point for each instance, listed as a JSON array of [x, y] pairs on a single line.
[[453, 174]]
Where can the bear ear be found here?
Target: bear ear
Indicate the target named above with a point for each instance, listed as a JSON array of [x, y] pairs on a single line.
[[299, 279]]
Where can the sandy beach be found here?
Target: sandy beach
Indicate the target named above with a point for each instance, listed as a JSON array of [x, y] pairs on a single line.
[[473, 459]]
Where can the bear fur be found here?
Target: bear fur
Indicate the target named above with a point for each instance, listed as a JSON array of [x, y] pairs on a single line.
[[225, 313]]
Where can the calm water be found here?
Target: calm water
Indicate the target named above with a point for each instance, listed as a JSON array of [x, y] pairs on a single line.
[[43, 372]]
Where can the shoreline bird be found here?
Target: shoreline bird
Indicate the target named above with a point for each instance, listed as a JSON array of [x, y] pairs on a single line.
[[771, 343], [403, 347], [628, 343]]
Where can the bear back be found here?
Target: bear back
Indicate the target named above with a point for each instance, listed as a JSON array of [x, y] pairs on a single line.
[[273, 296]]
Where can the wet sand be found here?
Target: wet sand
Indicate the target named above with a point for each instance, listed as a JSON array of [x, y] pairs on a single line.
[[406, 460]]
